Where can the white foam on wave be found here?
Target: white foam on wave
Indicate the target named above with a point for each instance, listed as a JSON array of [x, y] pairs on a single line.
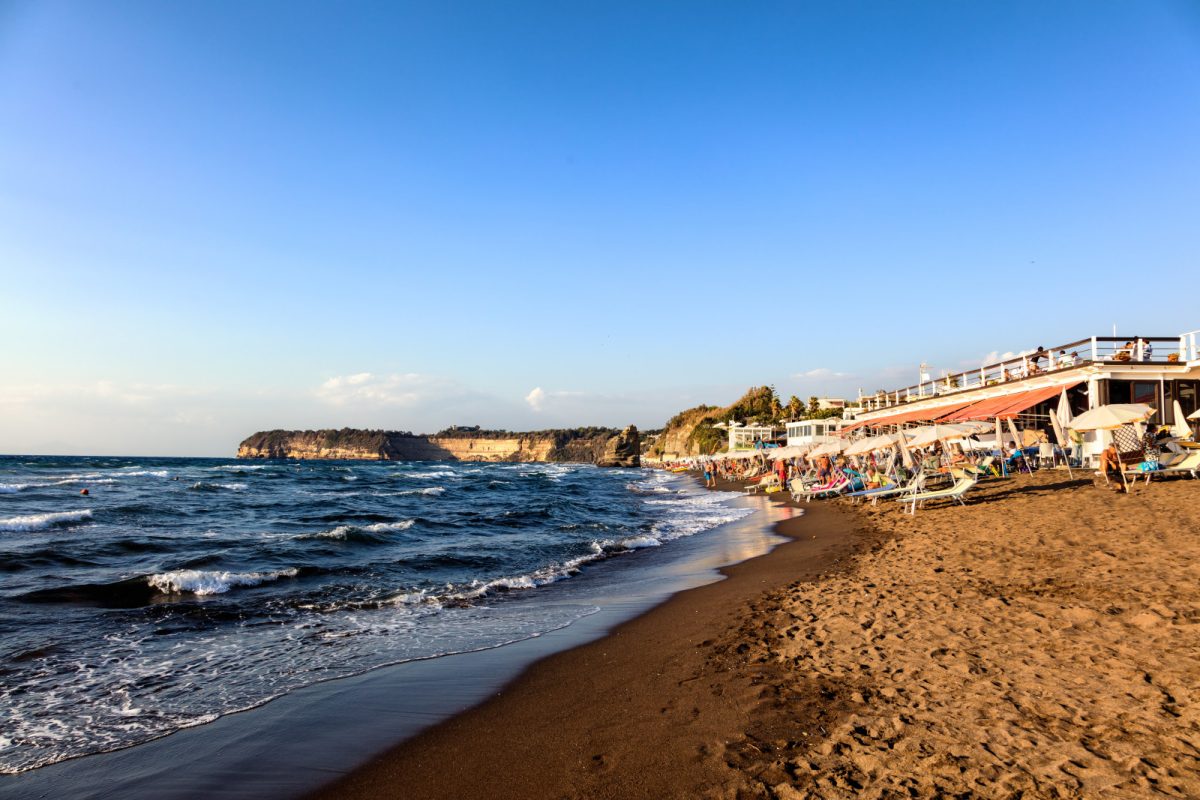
[[156, 473], [437, 473], [225, 467], [640, 542], [342, 531], [233, 487], [205, 582], [13, 488], [38, 522], [428, 490]]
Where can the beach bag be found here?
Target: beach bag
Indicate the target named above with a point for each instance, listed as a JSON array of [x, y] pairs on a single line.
[[1148, 466]]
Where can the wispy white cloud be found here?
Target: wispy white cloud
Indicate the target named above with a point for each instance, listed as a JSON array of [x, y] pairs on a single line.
[[397, 389], [822, 373], [536, 398], [539, 398]]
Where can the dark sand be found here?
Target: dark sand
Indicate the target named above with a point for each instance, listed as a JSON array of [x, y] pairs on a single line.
[[1041, 642], [675, 703]]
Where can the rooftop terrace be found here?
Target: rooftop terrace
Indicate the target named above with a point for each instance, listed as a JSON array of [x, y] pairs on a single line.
[[1110, 351]]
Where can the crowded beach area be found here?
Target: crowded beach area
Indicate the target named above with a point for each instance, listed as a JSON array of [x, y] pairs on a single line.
[[1020, 618]]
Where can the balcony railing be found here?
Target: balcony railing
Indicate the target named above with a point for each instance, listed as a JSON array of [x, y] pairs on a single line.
[[1105, 350]]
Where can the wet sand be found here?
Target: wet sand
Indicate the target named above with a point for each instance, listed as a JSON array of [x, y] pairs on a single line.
[[671, 704], [1040, 642]]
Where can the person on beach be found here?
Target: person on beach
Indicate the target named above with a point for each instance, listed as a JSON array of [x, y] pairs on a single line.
[[708, 473], [823, 469], [1110, 466]]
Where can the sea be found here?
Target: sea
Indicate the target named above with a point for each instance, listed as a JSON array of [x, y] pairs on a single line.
[[179, 590]]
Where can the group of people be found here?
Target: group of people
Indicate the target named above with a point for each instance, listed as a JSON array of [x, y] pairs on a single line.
[[1041, 360], [1136, 349], [872, 470]]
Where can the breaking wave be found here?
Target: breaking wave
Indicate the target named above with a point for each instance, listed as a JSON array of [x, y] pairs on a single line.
[[38, 522], [201, 582]]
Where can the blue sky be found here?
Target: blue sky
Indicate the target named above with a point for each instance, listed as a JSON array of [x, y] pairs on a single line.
[[221, 217]]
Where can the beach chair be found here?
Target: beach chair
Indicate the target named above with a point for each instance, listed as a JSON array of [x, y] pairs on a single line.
[[955, 493], [1188, 464], [836, 486], [766, 482], [914, 485], [1130, 453], [984, 469]]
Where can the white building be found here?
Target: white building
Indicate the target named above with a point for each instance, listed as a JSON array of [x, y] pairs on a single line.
[[747, 437], [813, 431], [1162, 371]]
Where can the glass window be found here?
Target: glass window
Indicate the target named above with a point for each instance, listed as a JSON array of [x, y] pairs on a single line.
[[1145, 392]]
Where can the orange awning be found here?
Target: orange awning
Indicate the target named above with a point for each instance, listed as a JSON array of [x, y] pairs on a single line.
[[1008, 405], [1030, 399], [902, 417]]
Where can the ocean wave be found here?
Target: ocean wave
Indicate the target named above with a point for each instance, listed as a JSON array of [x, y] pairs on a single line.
[[370, 533], [156, 473], [640, 542], [37, 522], [202, 582], [204, 486], [429, 491], [437, 473], [13, 488]]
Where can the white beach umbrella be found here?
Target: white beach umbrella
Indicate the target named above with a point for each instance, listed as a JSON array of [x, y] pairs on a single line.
[[870, 444], [830, 448], [1195, 414], [1111, 417], [905, 456], [1061, 437], [939, 433], [1064, 409], [1180, 429]]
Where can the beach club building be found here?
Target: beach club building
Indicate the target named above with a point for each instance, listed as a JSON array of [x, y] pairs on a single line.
[[1163, 371], [748, 437], [814, 431]]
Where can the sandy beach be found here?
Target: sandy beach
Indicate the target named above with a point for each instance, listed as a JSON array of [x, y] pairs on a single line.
[[1038, 643]]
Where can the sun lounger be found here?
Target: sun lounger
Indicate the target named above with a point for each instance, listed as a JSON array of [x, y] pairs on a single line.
[[955, 493], [769, 481], [836, 486], [983, 469], [1188, 465], [913, 486]]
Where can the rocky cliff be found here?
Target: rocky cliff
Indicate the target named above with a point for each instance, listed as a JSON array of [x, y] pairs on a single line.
[[604, 446]]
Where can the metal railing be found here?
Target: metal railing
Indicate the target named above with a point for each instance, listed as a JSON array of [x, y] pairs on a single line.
[[1106, 350]]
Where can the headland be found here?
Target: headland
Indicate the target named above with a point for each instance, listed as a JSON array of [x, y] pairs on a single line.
[[607, 447]]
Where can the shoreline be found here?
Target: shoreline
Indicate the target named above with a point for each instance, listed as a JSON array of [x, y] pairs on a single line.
[[255, 753], [670, 703]]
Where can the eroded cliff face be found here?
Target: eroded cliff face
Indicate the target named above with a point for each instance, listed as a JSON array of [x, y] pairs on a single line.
[[586, 445]]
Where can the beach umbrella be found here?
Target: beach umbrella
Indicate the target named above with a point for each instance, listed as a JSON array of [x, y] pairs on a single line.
[[940, 433], [1061, 437], [1111, 417], [1180, 429], [869, 444], [830, 448], [1064, 409], [905, 456], [1195, 414]]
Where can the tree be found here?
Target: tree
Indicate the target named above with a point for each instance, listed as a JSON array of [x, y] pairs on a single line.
[[795, 408], [814, 405]]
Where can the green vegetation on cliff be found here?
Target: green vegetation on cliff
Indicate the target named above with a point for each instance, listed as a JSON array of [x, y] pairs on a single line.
[[695, 432]]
